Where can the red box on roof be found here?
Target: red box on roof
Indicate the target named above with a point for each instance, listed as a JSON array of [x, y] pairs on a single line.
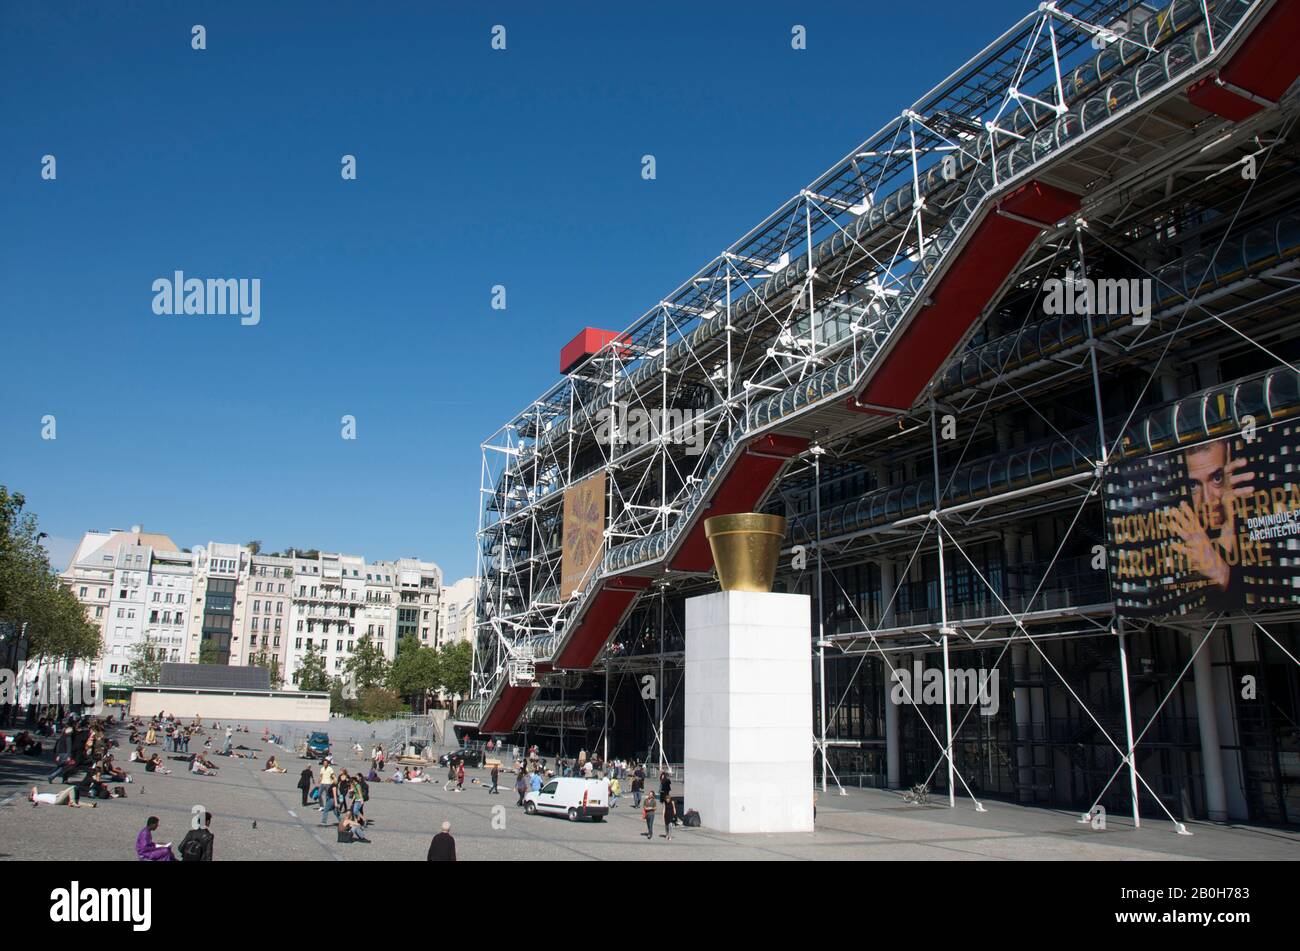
[[588, 342]]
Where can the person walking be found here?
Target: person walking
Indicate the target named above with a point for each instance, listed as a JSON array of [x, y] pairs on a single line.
[[304, 784], [460, 777], [197, 844], [64, 755], [648, 809], [521, 785], [670, 817], [443, 846], [328, 800], [638, 786], [496, 772]]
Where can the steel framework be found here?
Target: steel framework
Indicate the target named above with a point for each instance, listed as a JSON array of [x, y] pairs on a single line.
[[897, 291]]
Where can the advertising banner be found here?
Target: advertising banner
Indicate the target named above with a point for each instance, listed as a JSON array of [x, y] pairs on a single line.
[[584, 532], [1208, 527]]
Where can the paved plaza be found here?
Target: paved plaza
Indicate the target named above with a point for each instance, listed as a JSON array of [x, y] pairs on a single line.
[[258, 815]]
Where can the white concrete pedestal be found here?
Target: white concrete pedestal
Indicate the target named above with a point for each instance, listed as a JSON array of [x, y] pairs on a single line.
[[749, 717]]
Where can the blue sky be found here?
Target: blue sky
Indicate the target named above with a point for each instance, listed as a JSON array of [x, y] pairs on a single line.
[[475, 167]]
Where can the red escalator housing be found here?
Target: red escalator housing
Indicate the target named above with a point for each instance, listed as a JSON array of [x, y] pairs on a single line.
[[988, 258], [1266, 65], [609, 603], [744, 484], [502, 716]]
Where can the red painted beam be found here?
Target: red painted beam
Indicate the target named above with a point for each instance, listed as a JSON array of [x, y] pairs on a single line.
[[989, 256], [502, 716], [1208, 95], [1265, 65], [741, 488], [609, 603]]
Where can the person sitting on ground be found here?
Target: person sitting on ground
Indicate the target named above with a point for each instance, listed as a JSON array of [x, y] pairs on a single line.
[[150, 737], [199, 766], [155, 765], [372, 776], [350, 830], [114, 774], [197, 844], [397, 776], [90, 787], [68, 797], [145, 848], [138, 755], [271, 767]]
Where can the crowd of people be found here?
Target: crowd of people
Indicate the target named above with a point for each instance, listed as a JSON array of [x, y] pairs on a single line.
[[84, 764]]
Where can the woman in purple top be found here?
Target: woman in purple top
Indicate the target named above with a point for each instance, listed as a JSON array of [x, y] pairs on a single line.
[[145, 848]]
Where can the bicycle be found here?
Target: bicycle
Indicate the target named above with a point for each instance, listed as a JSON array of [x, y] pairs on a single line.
[[918, 795]]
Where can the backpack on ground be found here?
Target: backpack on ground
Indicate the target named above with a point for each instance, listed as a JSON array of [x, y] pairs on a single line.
[[691, 820]]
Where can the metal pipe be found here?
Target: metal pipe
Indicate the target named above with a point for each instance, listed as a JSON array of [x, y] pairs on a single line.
[[943, 604], [821, 606], [1128, 721]]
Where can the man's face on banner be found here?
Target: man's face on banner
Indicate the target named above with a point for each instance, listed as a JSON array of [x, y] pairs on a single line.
[[1207, 472]]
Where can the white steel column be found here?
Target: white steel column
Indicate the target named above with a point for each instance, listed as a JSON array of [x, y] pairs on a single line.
[[1024, 722], [893, 767], [1207, 720], [817, 452], [1128, 721], [943, 607], [893, 771]]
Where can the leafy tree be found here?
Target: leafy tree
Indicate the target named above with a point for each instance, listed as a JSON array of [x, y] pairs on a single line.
[[210, 653], [255, 546], [339, 703], [454, 662], [379, 703], [146, 662], [367, 666], [416, 669], [312, 674], [32, 598], [264, 658]]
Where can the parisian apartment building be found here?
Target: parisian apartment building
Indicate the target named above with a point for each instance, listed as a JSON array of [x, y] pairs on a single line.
[[222, 603]]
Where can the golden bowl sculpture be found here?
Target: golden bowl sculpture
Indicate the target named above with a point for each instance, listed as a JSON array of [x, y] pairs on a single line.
[[745, 549]]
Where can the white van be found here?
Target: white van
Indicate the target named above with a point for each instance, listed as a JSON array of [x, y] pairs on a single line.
[[571, 797]]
